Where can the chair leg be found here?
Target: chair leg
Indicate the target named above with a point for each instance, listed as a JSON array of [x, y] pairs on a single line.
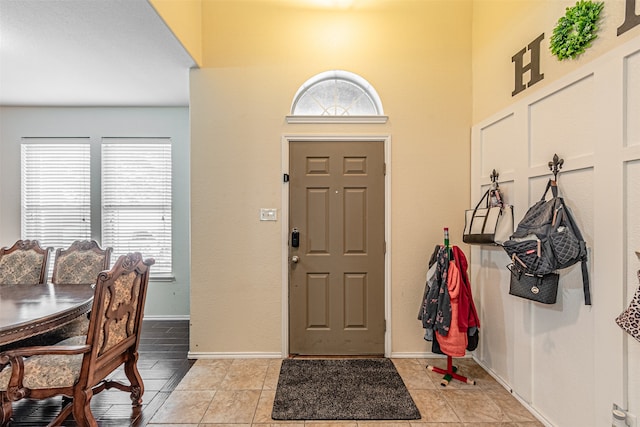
[[133, 375], [82, 408], [63, 415], [5, 409]]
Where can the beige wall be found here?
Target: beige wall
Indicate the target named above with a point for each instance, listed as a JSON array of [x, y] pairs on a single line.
[[501, 28], [256, 54]]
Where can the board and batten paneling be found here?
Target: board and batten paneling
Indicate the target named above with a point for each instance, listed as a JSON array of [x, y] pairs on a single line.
[[568, 362]]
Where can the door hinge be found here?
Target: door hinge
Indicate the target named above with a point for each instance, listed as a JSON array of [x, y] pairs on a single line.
[[285, 177], [384, 169], [385, 325], [384, 247]]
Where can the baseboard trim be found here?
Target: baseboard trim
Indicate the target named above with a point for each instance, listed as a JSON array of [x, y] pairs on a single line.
[[223, 355], [423, 355], [167, 317]]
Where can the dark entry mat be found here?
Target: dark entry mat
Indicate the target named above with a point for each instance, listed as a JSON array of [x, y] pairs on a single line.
[[344, 389]]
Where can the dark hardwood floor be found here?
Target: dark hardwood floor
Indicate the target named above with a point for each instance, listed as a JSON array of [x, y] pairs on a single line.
[[163, 362]]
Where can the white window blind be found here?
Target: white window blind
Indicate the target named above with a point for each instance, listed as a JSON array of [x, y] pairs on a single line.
[[56, 187], [136, 199]]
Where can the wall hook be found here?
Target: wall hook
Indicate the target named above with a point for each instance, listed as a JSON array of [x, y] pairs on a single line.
[[555, 166], [494, 176]]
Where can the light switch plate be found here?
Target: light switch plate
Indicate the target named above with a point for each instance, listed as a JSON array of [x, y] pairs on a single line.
[[267, 214]]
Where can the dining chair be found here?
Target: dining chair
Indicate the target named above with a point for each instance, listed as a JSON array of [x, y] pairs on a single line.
[[77, 367], [80, 263], [24, 263]]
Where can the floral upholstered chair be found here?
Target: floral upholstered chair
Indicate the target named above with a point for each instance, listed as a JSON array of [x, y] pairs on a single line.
[[24, 263], [77, 367], [80, 263]]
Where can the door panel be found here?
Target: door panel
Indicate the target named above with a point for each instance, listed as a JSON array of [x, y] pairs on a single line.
[[336, 289]]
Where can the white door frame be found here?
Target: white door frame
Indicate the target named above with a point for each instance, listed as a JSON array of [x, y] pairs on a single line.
[[286, 140]]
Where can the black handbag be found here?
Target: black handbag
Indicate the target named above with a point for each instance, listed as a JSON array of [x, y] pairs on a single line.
[[541, 288]]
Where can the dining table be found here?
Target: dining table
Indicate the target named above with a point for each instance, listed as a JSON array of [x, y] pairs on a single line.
[[30, 310]]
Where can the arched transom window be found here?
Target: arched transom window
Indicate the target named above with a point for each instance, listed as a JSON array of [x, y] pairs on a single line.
[[334, 94]]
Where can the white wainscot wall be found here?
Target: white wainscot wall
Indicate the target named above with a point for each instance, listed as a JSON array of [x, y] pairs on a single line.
[[568, 362]]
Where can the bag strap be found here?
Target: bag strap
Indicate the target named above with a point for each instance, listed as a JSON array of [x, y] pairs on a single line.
[[473, 217], [486, 196], [583, 261], [585, 282], [554, 189]]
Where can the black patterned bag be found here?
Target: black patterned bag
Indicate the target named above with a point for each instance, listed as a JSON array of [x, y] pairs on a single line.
[[531, 254], [629, 320], [539, 288], [547, 239]]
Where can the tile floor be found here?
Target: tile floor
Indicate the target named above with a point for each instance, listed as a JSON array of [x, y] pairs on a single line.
[[240, 393]]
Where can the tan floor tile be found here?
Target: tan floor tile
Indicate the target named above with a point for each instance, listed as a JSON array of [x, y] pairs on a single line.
[[414, 375], [183, 407], [224, 425], [203, 376], [281, 424], [245, 374], [420, 424], [489, 425], [474, 406], [175, 425], [252, 362], [483, 379], [265, 408], [510, 405], [232, 406], [273, 373], [432, 406], [214, 362], [383, 424], [409, 362], [246, 391], [336, 423]]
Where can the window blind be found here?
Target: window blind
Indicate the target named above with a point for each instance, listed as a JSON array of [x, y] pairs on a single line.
[[56, 181], [136, 199]]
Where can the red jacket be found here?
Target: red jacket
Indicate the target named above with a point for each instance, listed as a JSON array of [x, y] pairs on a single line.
[[467, 315]]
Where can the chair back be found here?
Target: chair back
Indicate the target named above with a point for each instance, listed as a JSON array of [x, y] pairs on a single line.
[[116, 317], [81, 263], [24, 263]]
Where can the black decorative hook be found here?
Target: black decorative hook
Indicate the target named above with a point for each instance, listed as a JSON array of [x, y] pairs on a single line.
[[494, 176], [555, 166]]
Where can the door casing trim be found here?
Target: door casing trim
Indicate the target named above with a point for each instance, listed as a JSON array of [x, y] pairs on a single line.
[[286, 140]]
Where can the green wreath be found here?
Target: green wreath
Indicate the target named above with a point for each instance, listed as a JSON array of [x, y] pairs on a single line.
[[576, 30]]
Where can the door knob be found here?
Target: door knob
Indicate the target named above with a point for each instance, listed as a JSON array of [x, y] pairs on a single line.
[[295, 259]]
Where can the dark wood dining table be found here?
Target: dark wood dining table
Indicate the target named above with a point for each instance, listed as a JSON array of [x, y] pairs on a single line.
[[30, 310]]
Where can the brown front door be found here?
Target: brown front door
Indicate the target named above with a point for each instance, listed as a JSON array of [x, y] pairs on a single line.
[[336, 285]]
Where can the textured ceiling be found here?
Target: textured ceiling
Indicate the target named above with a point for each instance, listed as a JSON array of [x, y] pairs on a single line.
[[89, 53]]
